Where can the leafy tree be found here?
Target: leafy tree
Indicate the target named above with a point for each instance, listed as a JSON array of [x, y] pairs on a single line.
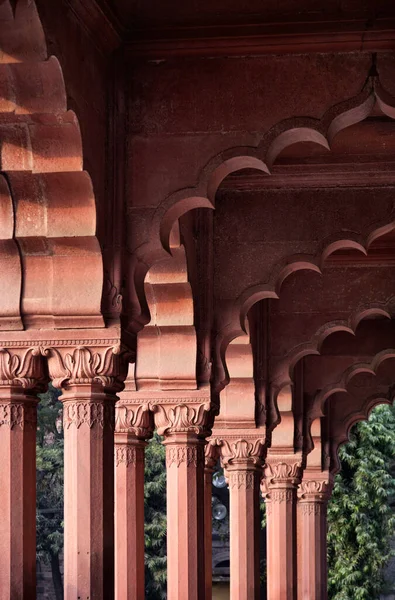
[[49, 444], [361, 520], [155, 520]]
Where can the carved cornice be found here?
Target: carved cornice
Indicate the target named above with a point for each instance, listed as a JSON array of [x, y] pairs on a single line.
[[136, 419], [22, 368], [257, 39], [84, 366]]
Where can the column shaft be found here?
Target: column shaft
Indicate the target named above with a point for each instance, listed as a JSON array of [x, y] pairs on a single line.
[[89, 493], [129, 517], [244, 531], [314, 494], [282, 477], [18, 423], [208, 532], [185, 517]]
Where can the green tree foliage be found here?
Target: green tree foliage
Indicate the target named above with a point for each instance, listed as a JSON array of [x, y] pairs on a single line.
[[361, 520], [155, 520], [49, 445]]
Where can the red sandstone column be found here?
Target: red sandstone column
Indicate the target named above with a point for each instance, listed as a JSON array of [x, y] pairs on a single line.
[[185, 426], [282, 477], [18, 424], [314, 494], [211, 455], [244, 531], [133, 426], [85, 377], [241, 457]]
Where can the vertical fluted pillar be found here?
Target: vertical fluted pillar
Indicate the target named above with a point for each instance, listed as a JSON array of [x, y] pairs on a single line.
[[314, 494], [21, 377], [87, 378], [241, 458], [282, 477], [133, 427], [185, 427]]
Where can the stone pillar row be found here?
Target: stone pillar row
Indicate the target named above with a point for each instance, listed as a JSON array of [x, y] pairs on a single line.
[[88, 377]]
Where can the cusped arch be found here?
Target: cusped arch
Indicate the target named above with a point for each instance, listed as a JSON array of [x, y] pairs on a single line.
[[50, 257]]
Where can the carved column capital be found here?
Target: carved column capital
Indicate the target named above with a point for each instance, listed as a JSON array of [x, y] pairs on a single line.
[[283, 470], [84, 365], [241, 452], [316, 487], [134, 419], [23, 368], [183, 417]]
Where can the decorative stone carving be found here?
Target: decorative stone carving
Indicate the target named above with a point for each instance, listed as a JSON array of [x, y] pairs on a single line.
[[84, 365], [239, 451], [281, 470], [241, 479], [128, 454], [191, 455], [22, 367], [92, 414], [315, 487], [183, 418], [18, 414], [134, 418]]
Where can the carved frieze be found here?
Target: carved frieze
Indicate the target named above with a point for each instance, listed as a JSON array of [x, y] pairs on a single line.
[[241, 479]]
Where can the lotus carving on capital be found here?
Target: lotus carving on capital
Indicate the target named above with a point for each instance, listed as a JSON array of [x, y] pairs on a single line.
[[183, 418], [23, 369], [136, 419], [83, 366]]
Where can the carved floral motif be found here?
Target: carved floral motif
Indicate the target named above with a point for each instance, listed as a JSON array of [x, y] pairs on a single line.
[[18, 414], [241, 479], [177, 455], [128, 454], [134, 418], [283, 470], [92, 414], [183, 418], [240, 451], [22, 368], [315, 490], [84, 366]]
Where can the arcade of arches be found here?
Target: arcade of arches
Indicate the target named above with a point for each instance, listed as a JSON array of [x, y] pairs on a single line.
[[230, 281]]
